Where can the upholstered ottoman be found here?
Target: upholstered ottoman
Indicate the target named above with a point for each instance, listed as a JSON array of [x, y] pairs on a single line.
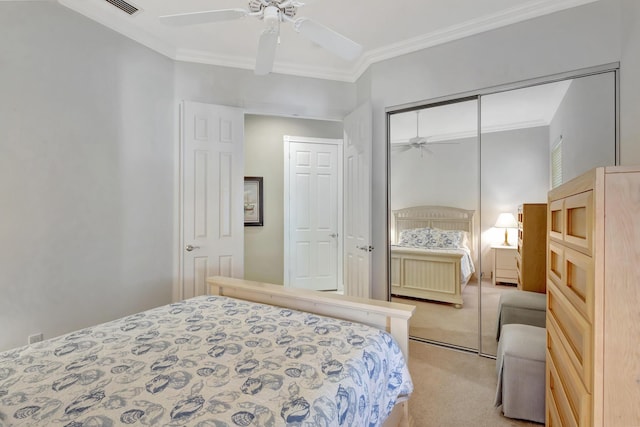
[[520, 366], [524, 307]]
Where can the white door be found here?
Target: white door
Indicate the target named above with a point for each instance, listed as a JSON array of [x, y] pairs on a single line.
[[358, 135], [212, 189], [313, 221]]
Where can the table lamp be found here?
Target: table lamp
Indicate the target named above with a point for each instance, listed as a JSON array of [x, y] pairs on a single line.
[[506, 220]]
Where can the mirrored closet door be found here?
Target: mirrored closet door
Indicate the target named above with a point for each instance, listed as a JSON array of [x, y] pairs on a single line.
[[533, 139], [434, 201], [472, 176]]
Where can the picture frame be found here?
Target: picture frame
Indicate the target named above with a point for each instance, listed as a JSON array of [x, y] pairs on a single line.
[[253, 202]]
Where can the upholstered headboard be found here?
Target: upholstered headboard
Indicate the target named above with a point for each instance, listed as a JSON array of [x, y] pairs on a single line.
[[442, 217]]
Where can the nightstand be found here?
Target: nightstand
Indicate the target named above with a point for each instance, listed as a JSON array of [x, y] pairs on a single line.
[[504, 264]]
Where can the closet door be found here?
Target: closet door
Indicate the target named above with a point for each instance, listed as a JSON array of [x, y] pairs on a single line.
[[441, 154], [433, 198], [532, 137]]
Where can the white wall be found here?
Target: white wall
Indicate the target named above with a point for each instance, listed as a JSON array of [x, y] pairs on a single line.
[[274, 94], [264, 156], [586, 121], [573, 39], [630, 84], [86, 167], [514, 170], [448, 177]]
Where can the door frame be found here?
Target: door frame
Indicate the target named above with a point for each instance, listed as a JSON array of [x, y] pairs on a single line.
[[287, 140]]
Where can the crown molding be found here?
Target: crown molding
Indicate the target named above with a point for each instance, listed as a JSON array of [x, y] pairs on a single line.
[[466, 29], [514, 15]]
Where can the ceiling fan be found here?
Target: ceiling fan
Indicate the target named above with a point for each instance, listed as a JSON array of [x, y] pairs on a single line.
[[273, 12], [419, 142]]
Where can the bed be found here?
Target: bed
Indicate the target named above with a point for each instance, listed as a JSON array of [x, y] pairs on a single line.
[[432, 253], [224, 359]]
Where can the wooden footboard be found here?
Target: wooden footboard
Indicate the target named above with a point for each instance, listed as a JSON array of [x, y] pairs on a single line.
[[389, 316], [432, 276]]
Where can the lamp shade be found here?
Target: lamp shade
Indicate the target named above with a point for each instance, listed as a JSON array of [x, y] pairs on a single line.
[[506, 220]]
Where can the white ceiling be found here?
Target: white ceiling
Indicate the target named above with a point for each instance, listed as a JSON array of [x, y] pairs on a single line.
[[384, 28]]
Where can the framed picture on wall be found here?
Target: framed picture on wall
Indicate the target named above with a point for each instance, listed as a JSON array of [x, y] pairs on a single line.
[[253, 212]]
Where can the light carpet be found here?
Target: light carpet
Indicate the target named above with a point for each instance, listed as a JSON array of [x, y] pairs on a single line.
[[453, 389], [444, 323]]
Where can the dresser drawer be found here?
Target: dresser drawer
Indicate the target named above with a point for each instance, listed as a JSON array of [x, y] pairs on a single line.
[[578, 222], [568, 404], [555, 218], [553, 415], [555, 260], [572, 273], [570, 335], [571, 221], [578, 282]]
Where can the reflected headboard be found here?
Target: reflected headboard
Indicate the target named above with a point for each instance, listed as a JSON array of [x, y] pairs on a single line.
[[442, 217]]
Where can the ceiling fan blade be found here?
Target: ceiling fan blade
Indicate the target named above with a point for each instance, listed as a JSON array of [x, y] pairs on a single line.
[[204, 17], [400, 148], [328, 39], [266, 52]]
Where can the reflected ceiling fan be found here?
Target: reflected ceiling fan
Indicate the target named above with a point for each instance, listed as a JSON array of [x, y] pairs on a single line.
[[273, 12], [419, 142]]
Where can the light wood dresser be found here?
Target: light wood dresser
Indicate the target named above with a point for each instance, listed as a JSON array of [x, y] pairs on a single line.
[[593, 300], [531, 257]]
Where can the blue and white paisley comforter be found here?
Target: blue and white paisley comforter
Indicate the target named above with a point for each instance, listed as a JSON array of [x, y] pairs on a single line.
[[207, 361]]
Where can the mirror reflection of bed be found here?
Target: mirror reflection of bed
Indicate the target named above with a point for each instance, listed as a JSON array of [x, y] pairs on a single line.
[[433, 266], [432, 253], [433, 261]]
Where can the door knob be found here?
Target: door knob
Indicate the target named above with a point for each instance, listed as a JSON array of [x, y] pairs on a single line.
[[189, 248], [334, 235]]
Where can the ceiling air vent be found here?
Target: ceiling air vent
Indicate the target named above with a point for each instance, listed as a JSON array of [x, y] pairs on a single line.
[[124, 6]]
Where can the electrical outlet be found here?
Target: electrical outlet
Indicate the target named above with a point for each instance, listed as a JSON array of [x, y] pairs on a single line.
[[35, 338]]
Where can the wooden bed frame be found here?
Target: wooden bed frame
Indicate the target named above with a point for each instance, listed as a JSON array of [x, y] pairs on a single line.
[[389, 316], [432, 276]]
